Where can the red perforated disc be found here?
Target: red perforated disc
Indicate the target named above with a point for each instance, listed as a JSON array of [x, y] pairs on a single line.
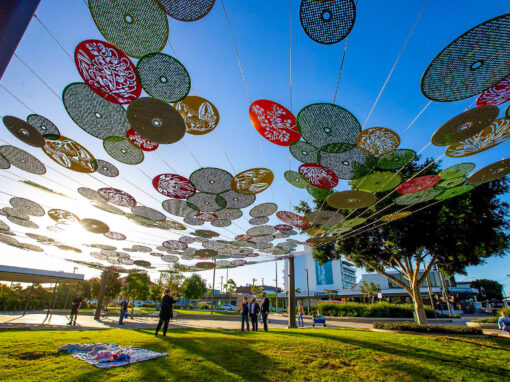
[[140, 142], [173, 186], [238, 263], [207, 216], [319, 176], [495, 95], [274, 122], [107, 71], [283, 227], [421, 183], [293, 219], [118, 197], [244, 237]]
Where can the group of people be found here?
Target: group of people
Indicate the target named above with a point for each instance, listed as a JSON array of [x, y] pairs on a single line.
[[250, 311]]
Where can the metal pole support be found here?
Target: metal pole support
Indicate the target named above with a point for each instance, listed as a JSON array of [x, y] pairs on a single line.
[[292, 295], [102, 291]]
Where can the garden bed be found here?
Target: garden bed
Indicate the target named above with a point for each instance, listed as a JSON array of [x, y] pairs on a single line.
[[430, 329]]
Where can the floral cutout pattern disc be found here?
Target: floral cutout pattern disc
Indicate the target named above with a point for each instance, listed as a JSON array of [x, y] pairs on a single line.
[[274, 122], [293, 219], [140, 142], [421, 183], [495, 95], [70, 154], [319, 176], [493, 135], [173, 186], [253, 181], [200, 115], [378, 141], [118, 197], [107, 71], [175, 245]]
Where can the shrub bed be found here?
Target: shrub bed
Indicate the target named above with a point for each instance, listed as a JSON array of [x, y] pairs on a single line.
[[441, 329], [379, 309]]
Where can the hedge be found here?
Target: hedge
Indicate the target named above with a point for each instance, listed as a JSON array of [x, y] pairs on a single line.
[[379, 309], [441, 329], [494, 319]]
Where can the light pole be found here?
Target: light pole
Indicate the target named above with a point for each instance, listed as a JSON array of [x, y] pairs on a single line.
[[276, 281], [307, 290]]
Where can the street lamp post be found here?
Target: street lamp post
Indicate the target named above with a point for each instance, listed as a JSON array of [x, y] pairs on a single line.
[[307, 290], [276, 281]]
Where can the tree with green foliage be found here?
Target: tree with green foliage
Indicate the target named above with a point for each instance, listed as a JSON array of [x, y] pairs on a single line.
[[113, 287], [194, 287], [451, 234], [136, 288], [492, 289], [230, 287], [256, 290]]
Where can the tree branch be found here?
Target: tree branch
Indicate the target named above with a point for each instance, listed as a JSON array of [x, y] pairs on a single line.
[[427, 270], [388, 276]]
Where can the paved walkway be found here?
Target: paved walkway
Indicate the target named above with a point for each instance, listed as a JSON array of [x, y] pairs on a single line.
[[59, 322]]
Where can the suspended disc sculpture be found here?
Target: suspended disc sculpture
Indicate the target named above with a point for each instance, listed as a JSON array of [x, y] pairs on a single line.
[[377, 182], [471, 63], [137, 27], [327, 21], [107, 169], [184, 10], [421, 183], [118, 197], [274, 122], [378, 141], [319, 176], [456, 170], [70, 154], [122, 150], [351, 199], [211, 180], [23, 160], [491, 172], [173, 186], [107, 71], [465, 125], [24, 131], [253, 181], [47, 128], [200, 115]]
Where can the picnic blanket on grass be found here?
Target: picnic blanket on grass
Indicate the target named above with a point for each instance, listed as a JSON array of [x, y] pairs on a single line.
[[107, 356]]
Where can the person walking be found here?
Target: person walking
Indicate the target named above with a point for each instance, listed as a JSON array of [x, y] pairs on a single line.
[[166, 312], [254, 311], [245, 312], [75, 308], [301, 312], [265, 309], [123, 310]]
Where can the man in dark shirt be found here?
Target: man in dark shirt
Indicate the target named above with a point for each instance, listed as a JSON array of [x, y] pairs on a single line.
[[75, 308], [244, 314], [166, 311], [254, 311], [123, 311], [265, 309]]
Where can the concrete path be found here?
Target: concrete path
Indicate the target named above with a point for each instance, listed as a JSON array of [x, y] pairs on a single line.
[[59, 322]]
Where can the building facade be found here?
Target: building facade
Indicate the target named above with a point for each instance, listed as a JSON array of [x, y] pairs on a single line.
[[334, 275]]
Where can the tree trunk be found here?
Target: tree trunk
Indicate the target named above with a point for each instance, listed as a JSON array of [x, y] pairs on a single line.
[[133, 308], [419, 309]]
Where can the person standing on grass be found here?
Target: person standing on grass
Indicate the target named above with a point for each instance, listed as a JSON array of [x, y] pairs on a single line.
[[166, 311], [265, 309], [254, 311], [75, 308], [123, 311], [245, 311], [504, 322], [301, 312]]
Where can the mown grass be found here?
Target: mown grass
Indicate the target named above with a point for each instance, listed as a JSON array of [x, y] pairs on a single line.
[[280, 355]]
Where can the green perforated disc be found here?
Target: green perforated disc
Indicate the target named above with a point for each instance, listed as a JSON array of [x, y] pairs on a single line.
[[456, 170], [395, 160], [352, 222], [377, 182], [97, 116], [304, 152], [453, 182], [296, 179], [337, 147], [319, 193], [350, 164], [455, 191], [137, 27], [123, 150], [163, 77], [418, 197], [321, 124]]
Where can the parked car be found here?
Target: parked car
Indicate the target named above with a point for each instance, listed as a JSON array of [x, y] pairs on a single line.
[[228, 307]]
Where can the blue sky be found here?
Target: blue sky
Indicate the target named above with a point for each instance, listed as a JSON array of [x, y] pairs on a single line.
[[261, 31]]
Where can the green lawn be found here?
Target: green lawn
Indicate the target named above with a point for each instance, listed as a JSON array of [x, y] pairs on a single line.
[[280, 355]]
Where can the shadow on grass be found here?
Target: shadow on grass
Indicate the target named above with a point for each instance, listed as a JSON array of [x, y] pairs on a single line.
[[196, 358], [427, 355]]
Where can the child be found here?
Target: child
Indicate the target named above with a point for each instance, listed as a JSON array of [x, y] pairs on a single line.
[[504, 322]]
